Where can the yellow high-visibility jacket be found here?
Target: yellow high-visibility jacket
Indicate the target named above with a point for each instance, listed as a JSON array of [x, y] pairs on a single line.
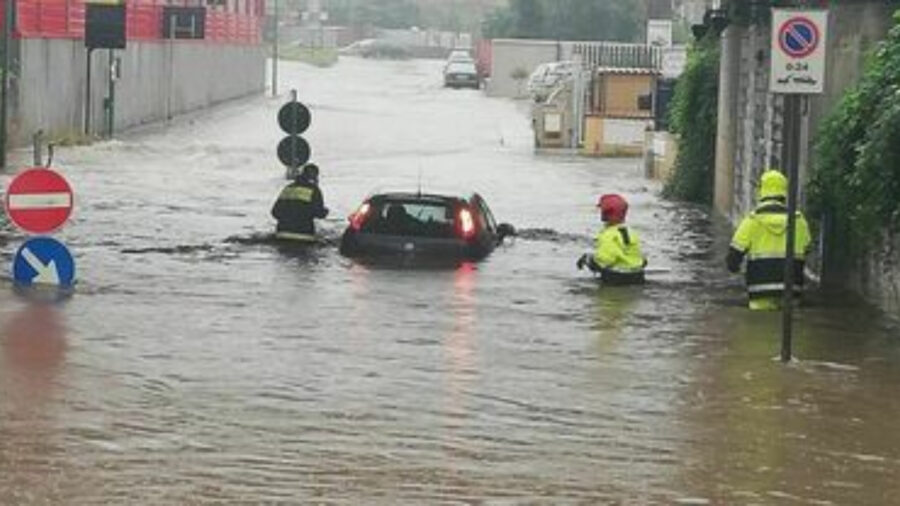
[[762, 238], [617, 256]]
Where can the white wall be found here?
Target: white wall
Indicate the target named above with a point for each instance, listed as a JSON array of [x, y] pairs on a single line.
[[511, 54], [158, 80]]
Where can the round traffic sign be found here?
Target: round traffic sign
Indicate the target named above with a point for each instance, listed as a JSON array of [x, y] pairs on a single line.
[[39, 200], [294, 118], [44, 261], [293, 151], [798, 37]]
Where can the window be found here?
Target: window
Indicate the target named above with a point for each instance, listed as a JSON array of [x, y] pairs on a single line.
[[412, 218], [183, 22], [461, 68]]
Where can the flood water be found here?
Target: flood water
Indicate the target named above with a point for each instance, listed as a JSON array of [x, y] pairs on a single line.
[[196, 366]]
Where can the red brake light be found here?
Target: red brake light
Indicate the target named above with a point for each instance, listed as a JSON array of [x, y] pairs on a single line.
[[359, 217], [466, 224]]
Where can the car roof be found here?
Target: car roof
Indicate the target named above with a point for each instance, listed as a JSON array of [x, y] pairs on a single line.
[[416, 197], [442, 197]]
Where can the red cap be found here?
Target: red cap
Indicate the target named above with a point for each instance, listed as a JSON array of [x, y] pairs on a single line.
[[613, 208]]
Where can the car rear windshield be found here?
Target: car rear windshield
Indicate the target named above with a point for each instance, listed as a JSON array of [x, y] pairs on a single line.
[[461, 68], [412, 218]]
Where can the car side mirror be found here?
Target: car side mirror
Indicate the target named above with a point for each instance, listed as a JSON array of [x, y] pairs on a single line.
[[506, 230]]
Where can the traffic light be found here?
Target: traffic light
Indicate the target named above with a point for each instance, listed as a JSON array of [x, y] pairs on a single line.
[[294, 118]]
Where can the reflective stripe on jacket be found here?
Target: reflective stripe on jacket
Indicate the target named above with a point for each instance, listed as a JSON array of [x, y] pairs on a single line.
[[297, 205], [762, 238], [618, 256]]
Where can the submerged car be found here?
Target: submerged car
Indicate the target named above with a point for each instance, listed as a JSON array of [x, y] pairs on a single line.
[[424, 225], [460, 74]]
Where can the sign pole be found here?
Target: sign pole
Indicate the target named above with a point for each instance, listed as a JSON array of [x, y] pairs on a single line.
[[797, 70], [792, 113]]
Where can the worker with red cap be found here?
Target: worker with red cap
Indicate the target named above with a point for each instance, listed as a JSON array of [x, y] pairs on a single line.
[[617, 258]]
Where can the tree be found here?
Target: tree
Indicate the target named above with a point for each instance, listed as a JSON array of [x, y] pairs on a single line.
[[566, 19], [453, 15]]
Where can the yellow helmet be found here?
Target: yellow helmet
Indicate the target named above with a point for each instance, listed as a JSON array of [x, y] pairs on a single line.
[[772, 184]]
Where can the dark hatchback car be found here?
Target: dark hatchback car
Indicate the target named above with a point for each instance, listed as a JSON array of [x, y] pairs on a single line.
[[461, 74], [423, 225]]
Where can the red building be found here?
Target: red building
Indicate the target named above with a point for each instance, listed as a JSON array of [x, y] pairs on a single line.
[[226, 21]]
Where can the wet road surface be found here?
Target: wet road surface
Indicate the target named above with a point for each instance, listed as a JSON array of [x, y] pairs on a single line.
[[198, 366]]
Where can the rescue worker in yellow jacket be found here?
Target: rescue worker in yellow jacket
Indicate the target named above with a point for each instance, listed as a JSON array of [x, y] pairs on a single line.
[[761, 237], [617, 257], [298, 204]]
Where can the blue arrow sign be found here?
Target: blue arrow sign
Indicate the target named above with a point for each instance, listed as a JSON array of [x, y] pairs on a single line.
[[44, 261]]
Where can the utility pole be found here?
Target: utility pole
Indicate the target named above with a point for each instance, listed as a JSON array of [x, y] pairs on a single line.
[[87, 92], [275, 49], [7, 32], [558, 23]]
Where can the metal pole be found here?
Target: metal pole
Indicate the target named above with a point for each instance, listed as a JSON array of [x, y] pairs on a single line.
[[792, 130], [275, 51], [111, 110], [36, 147], [173, 23], [7, 35], [87, 92], [293, 136], [558, 36]]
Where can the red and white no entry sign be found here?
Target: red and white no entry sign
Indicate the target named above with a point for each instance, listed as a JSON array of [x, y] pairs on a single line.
[[39, 200]]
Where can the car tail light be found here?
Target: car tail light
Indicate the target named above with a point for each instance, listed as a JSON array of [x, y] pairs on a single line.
[[466, 224], [358, 218]]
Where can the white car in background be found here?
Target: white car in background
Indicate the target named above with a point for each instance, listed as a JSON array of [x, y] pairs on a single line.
[[459, 55]]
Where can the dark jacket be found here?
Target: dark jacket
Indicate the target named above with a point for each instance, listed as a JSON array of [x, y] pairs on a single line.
[[298, 204]]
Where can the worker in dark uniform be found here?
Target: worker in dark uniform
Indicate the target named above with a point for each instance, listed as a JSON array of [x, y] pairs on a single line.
[[761, 237], [617, 257], [298, 205]]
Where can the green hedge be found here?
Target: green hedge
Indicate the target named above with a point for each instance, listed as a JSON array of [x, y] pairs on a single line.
[[856, 179], [693, 117]]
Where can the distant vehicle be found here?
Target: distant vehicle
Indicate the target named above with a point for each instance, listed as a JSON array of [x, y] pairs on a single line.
[[459, 55], [424, 225], [547, 76], [374, 48], [460, 74]]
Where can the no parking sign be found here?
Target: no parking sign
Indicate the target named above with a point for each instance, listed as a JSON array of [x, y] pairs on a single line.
[[798, 50]]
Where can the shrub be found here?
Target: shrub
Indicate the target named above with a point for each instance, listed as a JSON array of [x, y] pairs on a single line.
[[693, 117]]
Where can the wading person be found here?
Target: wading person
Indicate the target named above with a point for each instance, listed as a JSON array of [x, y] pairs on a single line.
[[617, 256], [298, 204], [761, 237]]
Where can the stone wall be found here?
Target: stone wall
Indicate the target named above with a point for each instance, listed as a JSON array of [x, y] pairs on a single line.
[[750, 134]]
